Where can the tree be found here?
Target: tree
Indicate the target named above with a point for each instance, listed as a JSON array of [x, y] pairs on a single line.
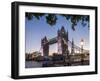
[[51, 19]]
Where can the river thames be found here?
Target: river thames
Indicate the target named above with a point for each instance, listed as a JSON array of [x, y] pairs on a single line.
[[32, 64]]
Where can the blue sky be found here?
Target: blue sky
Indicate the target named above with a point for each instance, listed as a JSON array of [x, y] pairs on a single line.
[[37, 29]]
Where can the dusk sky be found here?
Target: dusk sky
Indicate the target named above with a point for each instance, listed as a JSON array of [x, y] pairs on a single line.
[[35, 30]]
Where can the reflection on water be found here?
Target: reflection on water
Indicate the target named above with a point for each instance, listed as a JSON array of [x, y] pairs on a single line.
[[31, 64]]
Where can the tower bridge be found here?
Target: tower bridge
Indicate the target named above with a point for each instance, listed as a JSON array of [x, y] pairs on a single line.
[[63, 44]]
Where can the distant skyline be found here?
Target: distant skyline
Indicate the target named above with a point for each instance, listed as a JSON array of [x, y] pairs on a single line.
[[35, 30]]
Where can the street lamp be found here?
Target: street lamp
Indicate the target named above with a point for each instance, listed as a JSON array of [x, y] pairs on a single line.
[[82, 55], [82, 43]]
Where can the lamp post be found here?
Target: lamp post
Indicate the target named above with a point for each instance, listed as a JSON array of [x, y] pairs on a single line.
[[82, 43], [82, 55]]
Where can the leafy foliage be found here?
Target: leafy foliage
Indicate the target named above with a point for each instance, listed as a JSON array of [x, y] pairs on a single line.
[[51, 19]]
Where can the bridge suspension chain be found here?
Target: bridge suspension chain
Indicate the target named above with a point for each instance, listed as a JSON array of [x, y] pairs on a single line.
[[75, 46]]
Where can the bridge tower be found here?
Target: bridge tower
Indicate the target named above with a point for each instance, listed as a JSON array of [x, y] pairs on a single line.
[[45, 46], [72, 47], [63, 41], [59, 42]]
